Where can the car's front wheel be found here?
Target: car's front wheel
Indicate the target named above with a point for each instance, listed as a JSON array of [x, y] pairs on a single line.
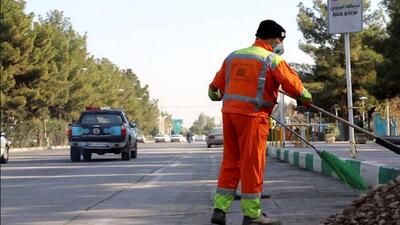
[[4, 158], [75, 154]]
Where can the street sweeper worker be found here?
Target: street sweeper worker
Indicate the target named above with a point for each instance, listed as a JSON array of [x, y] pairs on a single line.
[[248, 84]]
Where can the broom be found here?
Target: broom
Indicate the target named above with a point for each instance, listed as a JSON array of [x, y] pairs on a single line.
[[344, 171]]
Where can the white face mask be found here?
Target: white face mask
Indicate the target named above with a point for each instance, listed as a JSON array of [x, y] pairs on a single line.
[[278, 48]]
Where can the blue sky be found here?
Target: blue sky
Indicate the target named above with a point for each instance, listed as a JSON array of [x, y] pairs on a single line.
[[175, 46]]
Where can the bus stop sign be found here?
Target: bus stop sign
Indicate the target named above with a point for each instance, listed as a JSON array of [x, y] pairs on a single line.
[[344, 16]]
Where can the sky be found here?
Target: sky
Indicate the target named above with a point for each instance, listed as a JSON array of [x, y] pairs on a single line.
[[176, 46]]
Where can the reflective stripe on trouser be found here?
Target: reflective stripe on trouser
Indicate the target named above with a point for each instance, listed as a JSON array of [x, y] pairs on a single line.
[[223, 198], [251, 205], [244, 156]]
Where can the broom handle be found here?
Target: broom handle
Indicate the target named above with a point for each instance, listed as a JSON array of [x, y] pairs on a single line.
[[349, 124], [295, 133]]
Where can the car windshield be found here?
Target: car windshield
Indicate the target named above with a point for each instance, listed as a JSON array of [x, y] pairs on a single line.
[[101, 118], [176, 135], [160, 135], [217, 130]]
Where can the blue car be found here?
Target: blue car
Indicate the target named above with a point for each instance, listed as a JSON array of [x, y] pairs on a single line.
[[102, 131]]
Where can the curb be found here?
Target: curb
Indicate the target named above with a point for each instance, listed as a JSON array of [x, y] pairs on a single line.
[[373, 173], [37, 148]]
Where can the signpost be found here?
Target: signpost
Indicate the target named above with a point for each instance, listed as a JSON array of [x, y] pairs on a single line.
[[345, 16], [177, 126]]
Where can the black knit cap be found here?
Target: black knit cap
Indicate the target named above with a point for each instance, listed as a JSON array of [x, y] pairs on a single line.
[[270, 29]]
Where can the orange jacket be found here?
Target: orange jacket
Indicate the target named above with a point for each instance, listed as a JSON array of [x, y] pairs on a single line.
[[250, 80]]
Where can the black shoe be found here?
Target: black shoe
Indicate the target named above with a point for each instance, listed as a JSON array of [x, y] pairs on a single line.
[[218, 217], [261, 220]]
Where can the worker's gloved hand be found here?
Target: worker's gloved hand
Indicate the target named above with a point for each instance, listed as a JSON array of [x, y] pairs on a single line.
[[305, 99], [214, 95]]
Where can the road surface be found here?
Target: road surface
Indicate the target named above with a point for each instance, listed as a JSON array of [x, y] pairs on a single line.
[[168, 184]]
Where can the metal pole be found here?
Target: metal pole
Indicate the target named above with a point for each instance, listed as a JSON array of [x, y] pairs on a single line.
[[363, 115], [363, 99], [336, 114], [282, 115], [349, 91], [387, 119], [320, 122]]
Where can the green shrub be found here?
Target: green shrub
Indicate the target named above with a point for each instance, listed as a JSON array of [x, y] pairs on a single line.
[[332, 129]]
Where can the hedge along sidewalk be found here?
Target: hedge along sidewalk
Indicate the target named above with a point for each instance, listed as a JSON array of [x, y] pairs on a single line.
[[38, 148], [373, 173]]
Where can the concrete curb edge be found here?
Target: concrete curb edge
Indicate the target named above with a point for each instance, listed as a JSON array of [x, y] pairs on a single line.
[[373, 173], [38, 148]]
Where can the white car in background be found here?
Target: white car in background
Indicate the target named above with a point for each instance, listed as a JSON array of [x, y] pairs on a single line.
[[177, 138], [215, 137], [162, 138], [141, 139], [199, 137], [4, 148]]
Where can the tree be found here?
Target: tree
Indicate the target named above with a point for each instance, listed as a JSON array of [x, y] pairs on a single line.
[[16, 46], [388, 85], [328, 78], [48, 76], [203, 124], [136, 101], [167, 120]]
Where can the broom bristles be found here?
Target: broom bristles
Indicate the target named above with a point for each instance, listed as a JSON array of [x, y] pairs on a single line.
[[344, 171]]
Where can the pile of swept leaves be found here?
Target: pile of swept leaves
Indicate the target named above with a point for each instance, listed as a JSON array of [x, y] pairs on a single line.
[[381, 206]]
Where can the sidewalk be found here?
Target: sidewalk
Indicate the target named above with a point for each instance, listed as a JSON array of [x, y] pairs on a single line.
[[376, 164]]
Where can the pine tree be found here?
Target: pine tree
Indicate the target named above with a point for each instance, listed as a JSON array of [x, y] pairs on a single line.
[[48, 75], [16, 46], [329, 77], [66, 83], [388, 85]]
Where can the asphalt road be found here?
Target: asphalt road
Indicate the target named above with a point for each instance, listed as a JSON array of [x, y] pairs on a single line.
[[169, 183]]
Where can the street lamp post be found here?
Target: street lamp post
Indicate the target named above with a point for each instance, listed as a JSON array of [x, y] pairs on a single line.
[[320, 122], [282, 117], [363, 99], [308, 124], [336, 107], [308, 117]]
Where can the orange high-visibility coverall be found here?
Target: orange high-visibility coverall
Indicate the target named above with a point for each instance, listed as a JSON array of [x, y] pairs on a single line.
[[249, 79]]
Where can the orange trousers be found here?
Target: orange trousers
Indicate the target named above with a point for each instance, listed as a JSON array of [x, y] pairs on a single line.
[[244, 152]]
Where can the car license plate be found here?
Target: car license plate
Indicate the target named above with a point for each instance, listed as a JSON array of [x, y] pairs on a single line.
[[96, 145]]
